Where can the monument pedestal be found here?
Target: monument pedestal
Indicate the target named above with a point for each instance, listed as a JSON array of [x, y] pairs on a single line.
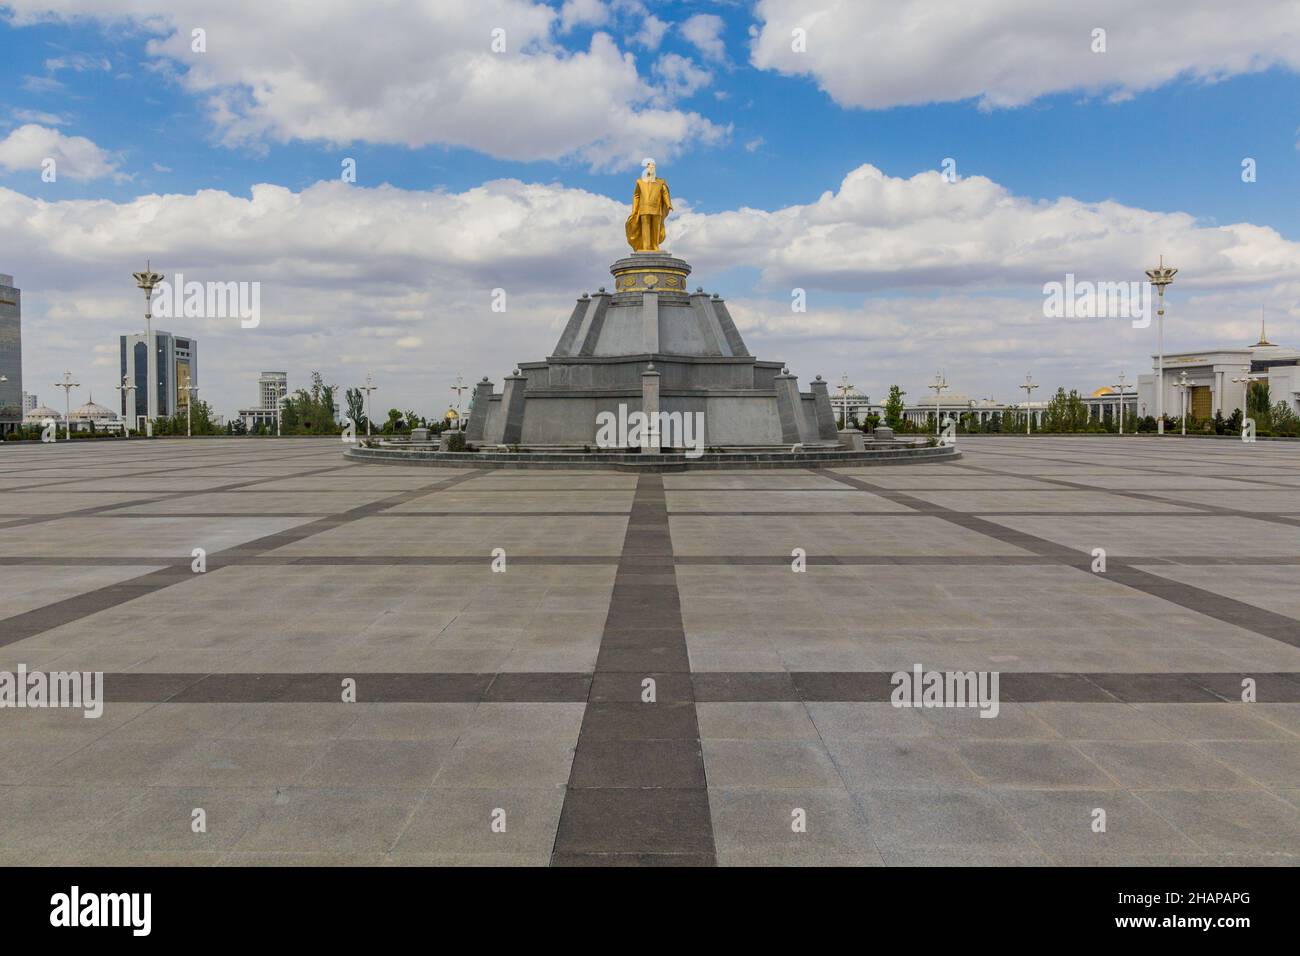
[[651, 344]]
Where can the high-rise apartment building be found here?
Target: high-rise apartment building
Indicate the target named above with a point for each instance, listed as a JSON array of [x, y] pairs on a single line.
[[11, 355]]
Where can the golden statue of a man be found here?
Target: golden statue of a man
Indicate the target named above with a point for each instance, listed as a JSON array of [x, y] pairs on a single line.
[[651, 205]]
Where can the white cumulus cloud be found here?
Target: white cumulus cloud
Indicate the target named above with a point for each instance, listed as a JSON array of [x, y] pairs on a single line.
[[27, 148], [412, 72], [902, 276], [881, 53]]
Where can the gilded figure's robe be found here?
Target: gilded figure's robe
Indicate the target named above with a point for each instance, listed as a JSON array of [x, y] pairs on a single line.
[[650, 201]]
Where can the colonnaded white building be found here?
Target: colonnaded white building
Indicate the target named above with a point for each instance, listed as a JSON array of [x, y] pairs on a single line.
[[1216, 379]]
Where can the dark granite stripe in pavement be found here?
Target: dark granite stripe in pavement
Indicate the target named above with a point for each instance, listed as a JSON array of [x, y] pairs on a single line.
[[98, 510], [30, 623], [616, 725], [1279, 627], [637, 793]]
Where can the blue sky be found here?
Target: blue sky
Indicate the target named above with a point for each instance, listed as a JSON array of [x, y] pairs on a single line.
[[777, 138]]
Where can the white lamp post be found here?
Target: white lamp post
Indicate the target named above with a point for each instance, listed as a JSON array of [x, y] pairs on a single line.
[[1120, 385], [1245, 401], [368, 388], [193, 390], [126, 389], [146, 281], [1182, 388], [1029, 386], [280, 391], [1160, 277], [67, 385], [459, 387], [939, 384], [844, 388]]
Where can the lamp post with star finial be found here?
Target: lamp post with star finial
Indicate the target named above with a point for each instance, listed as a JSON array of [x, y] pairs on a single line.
[[126, 390], [67, 385], [1160, 277], [844, 388], [1183, 385], [368, 388], [146, 281], [1029, 386], [1120, 385], [459, 387], [939, 384]]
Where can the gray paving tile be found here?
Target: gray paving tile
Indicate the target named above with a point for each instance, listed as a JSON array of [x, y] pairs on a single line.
[[1065, 821], [342, 821], [490, 762], [455, 822], [756, 721], [1229, 821], [800, 764], [899, 762], [961, 820], [1033, 764], [1144, 764], [812, 827]]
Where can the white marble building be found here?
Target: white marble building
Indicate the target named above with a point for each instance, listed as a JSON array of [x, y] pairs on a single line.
[[1211, 374]]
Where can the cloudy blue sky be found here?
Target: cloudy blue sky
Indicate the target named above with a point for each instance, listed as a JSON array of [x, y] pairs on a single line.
[[812, 165]]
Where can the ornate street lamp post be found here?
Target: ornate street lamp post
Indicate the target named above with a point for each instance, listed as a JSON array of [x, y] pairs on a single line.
[[146, 281], [280, 391], [1029, 386], [1245, 401], [67, 385], [1182, 388], [368, 388], [1120, 385], [1160, 277], [459, 387], [844, 388], [193, 390], [939, 384], [127, 403]]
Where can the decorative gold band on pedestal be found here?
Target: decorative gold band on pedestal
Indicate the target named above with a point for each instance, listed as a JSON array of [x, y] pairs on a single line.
[[650, 280]]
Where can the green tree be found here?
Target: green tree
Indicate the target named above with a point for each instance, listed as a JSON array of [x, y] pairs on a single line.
[[1065, 413], [394, 423], [310, 411], [894, 408], [1283, 420], [356, 407], [201, 422], [1257, 401]]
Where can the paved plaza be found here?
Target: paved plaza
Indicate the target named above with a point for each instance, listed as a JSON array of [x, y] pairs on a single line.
[[501, 717]]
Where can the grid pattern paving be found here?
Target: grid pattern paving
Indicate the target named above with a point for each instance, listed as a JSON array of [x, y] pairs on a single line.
[[506, 718]]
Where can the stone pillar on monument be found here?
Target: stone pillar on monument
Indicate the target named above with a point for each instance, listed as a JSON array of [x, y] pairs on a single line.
[[651, 440]]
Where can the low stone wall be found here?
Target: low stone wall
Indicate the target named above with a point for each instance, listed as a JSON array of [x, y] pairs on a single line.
[[606, 461]]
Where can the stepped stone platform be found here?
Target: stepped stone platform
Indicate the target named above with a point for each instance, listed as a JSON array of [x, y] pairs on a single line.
[[652, 346], [653, 351], [896, 453]]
